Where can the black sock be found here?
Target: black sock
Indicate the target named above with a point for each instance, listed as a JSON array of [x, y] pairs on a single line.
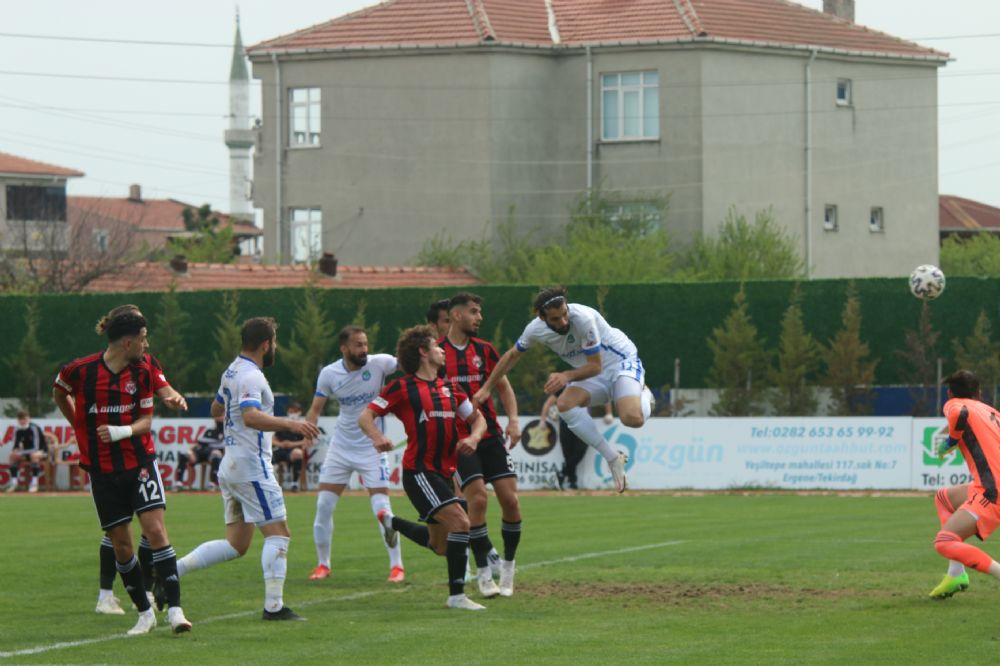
[[108, 570], [479, 541], [511, 533], [132, 577], [296, 470], [415, 532], [215, 469], [182, 465], [457, 559], [165, 562], [145, 554]]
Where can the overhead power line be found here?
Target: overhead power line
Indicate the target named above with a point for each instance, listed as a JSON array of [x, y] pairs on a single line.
[[110, 40]]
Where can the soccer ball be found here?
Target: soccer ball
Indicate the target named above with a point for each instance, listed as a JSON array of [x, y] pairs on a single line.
[[926, 282]]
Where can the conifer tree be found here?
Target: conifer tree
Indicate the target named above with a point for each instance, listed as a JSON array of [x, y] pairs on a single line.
[[849, 374], [798, 359], [311, 344], [166, 343], [31, 368], [226, 338], [739, 363], [920, 353], [981, 354]]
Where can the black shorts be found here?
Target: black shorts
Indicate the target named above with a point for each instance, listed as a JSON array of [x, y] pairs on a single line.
[[428, 492], [282, 455], [490, 462], [118, 496], [203, 453]]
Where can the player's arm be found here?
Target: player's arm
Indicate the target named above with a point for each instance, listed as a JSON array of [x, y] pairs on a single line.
[[477, 427], [64, 403], [171, 398], [114, 433], [558, 380], [506, 364], [218, 409], [316, 408], [366, 422], [509, 401], [258, 420]]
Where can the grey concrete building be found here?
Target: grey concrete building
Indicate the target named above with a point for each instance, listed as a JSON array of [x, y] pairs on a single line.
[[33, 207], [415, 118]]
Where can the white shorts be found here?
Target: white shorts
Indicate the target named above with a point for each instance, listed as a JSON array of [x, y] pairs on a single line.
[[340, 462], [615, 382], [257, 502]]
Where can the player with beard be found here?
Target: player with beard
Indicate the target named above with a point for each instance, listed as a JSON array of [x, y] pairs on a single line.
[[469, 361], [353, 381], [108, 398], [605, 364], [250, 495]]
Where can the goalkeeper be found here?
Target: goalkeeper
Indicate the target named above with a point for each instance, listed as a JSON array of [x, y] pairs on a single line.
[[971, 509]]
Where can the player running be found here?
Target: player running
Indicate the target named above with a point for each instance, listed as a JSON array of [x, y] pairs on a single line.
[[429, 408], [250, 495], [353, 381], [974, 427], [468, 363], [605, 364], [108, 398]]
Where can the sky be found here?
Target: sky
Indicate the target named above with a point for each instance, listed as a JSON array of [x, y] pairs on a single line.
[[76, 92]]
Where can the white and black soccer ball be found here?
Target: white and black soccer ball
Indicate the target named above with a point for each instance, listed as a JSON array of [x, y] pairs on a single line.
[[926, 282]]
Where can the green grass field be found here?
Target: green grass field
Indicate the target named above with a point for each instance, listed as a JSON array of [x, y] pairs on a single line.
[[713, 579]]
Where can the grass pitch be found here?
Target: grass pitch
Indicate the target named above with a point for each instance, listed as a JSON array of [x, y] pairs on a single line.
[[656, 579]]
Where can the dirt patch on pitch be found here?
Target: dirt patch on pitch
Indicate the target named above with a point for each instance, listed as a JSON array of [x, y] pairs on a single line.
[[687, 594]]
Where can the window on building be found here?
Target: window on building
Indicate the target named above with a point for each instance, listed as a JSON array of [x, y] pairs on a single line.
[[33, 203], [307, 234], [101, 240], [843, 92], [304, 114], [876, 219], [830, 217], [630, 106], [637, 218]]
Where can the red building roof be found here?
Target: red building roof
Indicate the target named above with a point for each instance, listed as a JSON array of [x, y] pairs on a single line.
[[163, 215], [200, 277], [960, 215], [415, 23], [20, 166]]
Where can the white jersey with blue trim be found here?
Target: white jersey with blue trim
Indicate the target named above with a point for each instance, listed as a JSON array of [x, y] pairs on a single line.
[[248, 451], [353, 390], [589, 333]]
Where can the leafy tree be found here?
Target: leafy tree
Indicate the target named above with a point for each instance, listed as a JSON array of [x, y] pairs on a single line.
[[739, 363], [744, 251], [798, 360], [312, 342], [920, 354], [211, 241], [31, 368], [226, 338], [978, 255], [372, 329], [166, 342], [849, 375], [981, 354]]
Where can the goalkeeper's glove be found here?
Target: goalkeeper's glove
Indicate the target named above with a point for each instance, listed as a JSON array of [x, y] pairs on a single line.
[[944, 446]]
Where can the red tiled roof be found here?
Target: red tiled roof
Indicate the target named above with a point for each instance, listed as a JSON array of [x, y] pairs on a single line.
[[12, 164], [145, 214], [199, 277], [397, 23], [957, 214]]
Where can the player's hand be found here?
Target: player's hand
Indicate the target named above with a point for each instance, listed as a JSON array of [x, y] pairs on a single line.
[[103, 434], [556, 382], [513, 431], [467, 445], [382, 443], [304, 428], [176, 402]]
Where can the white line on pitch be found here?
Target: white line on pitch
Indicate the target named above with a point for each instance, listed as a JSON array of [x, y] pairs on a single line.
[[314, 602]]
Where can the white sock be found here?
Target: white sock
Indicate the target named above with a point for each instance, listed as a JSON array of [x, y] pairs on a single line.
[[205, 555], [326, 502], [955, 568], [381, 501], [104, 594], [578, 420], [274, 562]]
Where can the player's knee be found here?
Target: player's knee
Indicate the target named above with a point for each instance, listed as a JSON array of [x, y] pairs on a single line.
[[476, 504], [510, 507], [945, 543], [631, 420]]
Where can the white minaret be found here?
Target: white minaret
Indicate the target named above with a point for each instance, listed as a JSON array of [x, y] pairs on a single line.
[[239, 136]]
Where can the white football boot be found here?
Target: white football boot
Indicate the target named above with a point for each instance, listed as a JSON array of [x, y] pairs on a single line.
[[146, 623], [618, 472], [464, 603], [109, 606], [178, 623], [487, 587]]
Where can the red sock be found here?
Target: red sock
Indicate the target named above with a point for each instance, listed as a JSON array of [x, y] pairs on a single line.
[[943, 504], [950, 545]]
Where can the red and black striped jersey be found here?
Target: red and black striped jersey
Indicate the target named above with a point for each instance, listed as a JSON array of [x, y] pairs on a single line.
[[102, 397], [429, 410], [469, 367], [159, 379]]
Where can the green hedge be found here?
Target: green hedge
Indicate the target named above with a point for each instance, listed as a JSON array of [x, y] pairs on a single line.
[[666, 321]]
